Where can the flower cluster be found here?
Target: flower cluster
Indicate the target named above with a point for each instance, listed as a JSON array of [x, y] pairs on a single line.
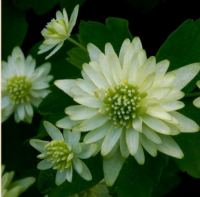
[[128, 103], [63, 153], [22, 86], [14, 189]]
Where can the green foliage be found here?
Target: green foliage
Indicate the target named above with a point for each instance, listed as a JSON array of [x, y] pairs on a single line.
[[46, 181], [14, 28], [190, 142], [182, 48], [114, 32], [138, 180]]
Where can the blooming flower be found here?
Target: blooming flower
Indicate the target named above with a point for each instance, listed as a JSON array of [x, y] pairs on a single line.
[[196, 102], [99, 190], [22, 86], [57, 31], [63, 153], [128, 103], [14, 189]]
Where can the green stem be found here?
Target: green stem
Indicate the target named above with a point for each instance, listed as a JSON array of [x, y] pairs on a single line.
[[193, 94], [77, 44]]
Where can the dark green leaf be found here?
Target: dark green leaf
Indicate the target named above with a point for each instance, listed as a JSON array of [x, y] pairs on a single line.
[[14, 28], [69, 5], [115, 32], [190, 142], [138, 180], [182, 48], [46, 182]]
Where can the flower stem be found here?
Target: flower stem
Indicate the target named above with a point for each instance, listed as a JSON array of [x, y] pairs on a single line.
[[77, 44], [193, 94]]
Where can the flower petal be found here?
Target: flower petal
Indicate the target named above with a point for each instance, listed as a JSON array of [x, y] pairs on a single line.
[[87, 150], [54, 133], [60, 176], [77, 165], [94, 52], [44, 165], [161, 68], [86, 86], [69, 174], [196, 102], [137, 123], [132, 140], [123, 145], [73, 18], [139, 156], [172, 106], [123, 49], [38, 144], [66, 123], [86, 172], [137, 42], [71, 137]]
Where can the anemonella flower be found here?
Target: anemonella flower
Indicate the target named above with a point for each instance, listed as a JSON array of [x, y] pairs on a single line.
[[99, 190], [14, 189], [196, 102], [57, 31], [22, 86], [62, 153], [128, 103]]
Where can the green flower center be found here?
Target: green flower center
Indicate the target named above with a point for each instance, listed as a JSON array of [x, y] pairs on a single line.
[[59, 153], [123, 103], [18, 89]]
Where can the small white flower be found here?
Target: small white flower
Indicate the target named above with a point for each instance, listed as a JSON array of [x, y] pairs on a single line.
[[196, 102], [22, 86], [127, 104], [14, 189], [57, 31], [63, 153]]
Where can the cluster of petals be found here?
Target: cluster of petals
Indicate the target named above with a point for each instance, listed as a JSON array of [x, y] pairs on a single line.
[[15, 188], [63, 153], [57, 31], [196, 102], [128, 103], [22, 86]]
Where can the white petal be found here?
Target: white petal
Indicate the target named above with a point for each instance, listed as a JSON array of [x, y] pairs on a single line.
[[38, 144], [21, 111], [97, 134], [169, 147], [173, 95], [87, 151], [172, 106], [77, 165], [132, 140], [155, 124], [111, 173], [71, 137], [151, 135], [187, 125], [54, 133], [65, 85], [60, 176], [89, 101], [96, 78], [94, 52], [159, 93], [93, 123], [110, 140], [96, 66], [196, 102], [86, 85], [123, 49], [44, 165], [55, 50], [184, 75], [86, 172], [4, 101], [69, 174], [137, 42], [139, 156], [73, 18], [148, 145], [147, 83], [142, 57], [76, 91], [108, 50], [132, 76], [66, 123], [137, 123], [161, 68], [35, 101], [123, 145], [165, 81], [174, 129]]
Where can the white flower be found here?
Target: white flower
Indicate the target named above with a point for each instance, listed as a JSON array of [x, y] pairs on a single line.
[[196, 102], [57, 31], [22, 86], [127, 104], [63, 153], [14, 189], [99, 190]]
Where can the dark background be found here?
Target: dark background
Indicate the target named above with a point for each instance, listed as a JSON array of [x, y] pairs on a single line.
[[153, 27]]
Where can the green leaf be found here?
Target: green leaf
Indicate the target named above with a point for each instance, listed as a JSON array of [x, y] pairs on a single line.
[[169, 180], [69, 5], [78, 57], [190, 142], [115, 32], [46, 181], [138, 180], [182, 48], [14, 28]]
